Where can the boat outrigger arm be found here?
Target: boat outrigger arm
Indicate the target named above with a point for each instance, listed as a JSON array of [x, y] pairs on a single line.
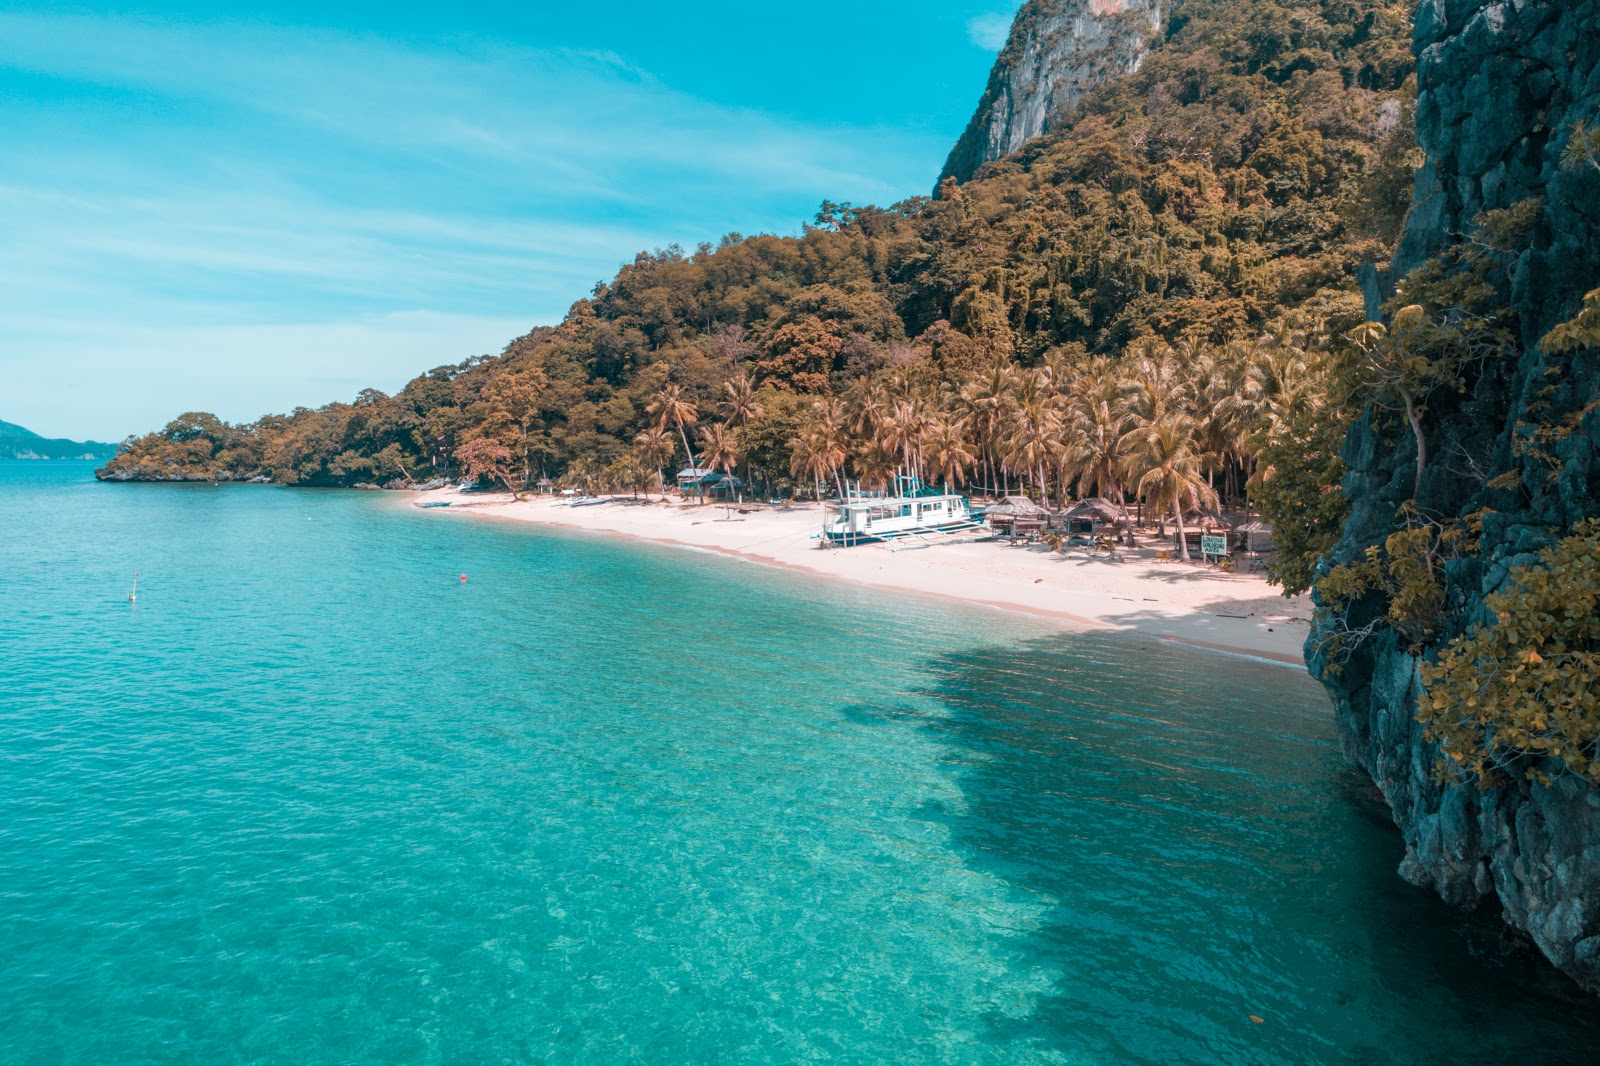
[[913, 510]]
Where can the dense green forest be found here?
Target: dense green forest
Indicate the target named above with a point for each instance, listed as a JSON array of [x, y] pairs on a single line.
[[1144, 304]]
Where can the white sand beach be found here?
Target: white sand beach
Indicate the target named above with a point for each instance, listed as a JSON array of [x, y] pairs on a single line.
[[1184, 602]]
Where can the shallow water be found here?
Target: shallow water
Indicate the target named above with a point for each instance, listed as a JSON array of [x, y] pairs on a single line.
[[315, 800]]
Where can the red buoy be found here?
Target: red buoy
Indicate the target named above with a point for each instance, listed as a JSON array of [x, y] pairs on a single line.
[[463, 577]]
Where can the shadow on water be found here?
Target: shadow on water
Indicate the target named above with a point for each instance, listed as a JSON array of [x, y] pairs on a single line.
[[1203, 856]]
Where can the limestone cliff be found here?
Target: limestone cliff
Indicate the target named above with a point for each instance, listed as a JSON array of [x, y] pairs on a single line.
[[1502, 85], [1059, 51]]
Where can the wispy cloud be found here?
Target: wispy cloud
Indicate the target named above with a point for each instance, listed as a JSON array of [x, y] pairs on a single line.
[[164, 180], [990, 31]]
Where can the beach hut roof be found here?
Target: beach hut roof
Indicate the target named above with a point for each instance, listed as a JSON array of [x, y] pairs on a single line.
[[693, 473], [1255, 525], [1017, 507], [1207, 518], [546, 483], [1096, 509]]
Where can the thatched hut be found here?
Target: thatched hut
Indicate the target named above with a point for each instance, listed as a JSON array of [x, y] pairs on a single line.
[[1086, 517], [1017, 516], [1201, 523]]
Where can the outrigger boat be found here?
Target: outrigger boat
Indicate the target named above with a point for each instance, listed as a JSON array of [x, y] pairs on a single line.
[[913, 511]]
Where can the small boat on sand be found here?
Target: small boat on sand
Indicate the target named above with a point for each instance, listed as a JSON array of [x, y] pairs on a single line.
[[435, 503]]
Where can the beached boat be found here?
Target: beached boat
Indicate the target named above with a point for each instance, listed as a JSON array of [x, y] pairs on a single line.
[[911, 511], [436, 503]]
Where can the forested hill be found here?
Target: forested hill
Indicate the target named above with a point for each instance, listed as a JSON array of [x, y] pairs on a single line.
[[19, 443], [1224, 192]]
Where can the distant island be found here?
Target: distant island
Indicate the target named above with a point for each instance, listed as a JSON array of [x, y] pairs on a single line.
[[19, 443]]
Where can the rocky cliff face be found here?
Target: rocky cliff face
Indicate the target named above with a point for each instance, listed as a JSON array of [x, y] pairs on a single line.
[[1502, 85], [1059, 50]]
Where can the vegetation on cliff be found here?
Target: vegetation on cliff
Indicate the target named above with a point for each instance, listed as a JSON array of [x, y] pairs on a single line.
[[1178, 258]]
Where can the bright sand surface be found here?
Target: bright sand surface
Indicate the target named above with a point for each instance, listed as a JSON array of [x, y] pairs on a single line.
[[1172, 600]]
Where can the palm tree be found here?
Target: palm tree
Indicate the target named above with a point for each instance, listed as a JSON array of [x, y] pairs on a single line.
[[653, 447], [950, 454], [817, 451], [1155, 384], [875, 466], [1032, 443], [985, 402], [719, 447], [1169, 473], [1094, 432], [672, 406], [741, 404], [629, 472], [902, 433]]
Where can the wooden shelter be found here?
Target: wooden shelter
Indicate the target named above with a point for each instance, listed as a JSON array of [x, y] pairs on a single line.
[[1200, 524], [1086, 517], [1254, 537], [708, 484], [1017, 516]]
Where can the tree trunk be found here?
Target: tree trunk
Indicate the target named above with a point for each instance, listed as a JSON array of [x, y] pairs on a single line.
[[1415, 418], [686, 449], [1183, 538]]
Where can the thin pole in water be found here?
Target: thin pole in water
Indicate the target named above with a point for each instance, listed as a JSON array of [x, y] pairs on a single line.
[[133, 596]]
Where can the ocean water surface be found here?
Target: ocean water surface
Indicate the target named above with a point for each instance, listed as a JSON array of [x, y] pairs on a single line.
[[313, 799]]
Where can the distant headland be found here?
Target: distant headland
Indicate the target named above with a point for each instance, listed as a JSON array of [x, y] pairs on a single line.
[[19, 443]]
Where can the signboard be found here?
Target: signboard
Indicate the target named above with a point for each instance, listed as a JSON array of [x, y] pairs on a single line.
[[1213, 545]]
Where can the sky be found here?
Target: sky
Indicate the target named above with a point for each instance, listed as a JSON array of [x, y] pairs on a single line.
[[253, 208]]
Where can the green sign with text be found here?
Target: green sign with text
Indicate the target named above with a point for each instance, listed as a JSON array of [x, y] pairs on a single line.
[[1213, 545]]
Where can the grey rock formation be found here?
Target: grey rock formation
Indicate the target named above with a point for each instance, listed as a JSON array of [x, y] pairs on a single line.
[[1059, 51], [1502, 84]]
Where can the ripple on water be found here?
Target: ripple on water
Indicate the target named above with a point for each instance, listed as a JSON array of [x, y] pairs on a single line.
[[314, 800]]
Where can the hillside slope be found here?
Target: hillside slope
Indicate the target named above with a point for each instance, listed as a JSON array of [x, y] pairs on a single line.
[[19, 443], [1234, 182]]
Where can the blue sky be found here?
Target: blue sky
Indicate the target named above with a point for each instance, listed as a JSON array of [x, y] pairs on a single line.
[[251, 210]]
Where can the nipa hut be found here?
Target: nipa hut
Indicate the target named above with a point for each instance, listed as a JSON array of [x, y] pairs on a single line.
[[1201, 523], [1017, 516], [1086, 517]]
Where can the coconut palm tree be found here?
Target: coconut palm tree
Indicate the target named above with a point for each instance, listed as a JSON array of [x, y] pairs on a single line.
[[903, 432], [949, 453], [1033, 441], [1168, 472], [1094, 432], [740, 403], [719, 447], [671, 407], [984, 402], [817, 451], [653, 447], [1155, 384]]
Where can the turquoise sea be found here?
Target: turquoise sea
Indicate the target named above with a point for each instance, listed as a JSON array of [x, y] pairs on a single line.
[[313, 799]]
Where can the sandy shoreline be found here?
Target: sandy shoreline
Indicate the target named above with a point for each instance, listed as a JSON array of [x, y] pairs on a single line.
[[1238, 613]]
